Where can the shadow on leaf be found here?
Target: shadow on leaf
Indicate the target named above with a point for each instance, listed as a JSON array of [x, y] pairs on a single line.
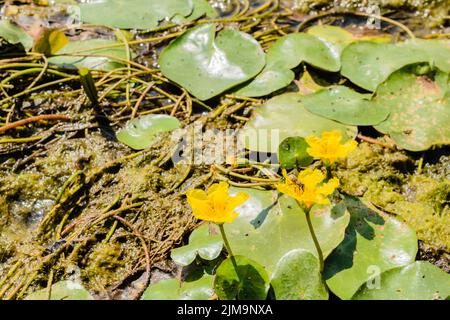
[[360, 216]]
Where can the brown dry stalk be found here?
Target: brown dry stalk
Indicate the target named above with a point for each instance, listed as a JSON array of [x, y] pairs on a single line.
[[23, 122]]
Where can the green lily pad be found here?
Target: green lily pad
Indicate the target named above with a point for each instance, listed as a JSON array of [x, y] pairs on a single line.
[[245, 280], [419, 110], [202, 241], [141, 133], [292, 153], [202, 8], [63, 290], [269, 226], [285, 116], [371, 241], [286, 54], [342, 104], [297, 276], [90, 54], [134, 14], [338, 38], [172, 289], [207, 65], [368, 64], [14, 34], [418, 281]]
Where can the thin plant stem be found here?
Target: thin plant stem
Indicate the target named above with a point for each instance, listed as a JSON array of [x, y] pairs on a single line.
[[314, 237], [227, 246], [225, 241]]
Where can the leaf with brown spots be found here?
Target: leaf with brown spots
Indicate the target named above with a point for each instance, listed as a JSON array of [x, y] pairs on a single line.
[[419, 108]]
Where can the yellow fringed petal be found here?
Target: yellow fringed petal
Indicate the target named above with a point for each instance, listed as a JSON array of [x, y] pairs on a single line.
[[329, 148], [216, 205]]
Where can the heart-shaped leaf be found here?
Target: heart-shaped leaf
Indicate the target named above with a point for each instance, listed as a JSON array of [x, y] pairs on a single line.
[[287, 53], [134, 14], [368, 64], [419, 109], [241, 278], [14, 34], [342, 104], [203, 241], [63, 290], [292, 153], [371, 241], [96, 54], [141, 133], [297, 276], [418, 281], [269, 226], [207, 65], [172, 289], [285, 116]]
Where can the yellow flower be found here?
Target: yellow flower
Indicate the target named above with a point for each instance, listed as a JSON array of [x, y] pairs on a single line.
[[216, 205], [329, 147], [308, 189]]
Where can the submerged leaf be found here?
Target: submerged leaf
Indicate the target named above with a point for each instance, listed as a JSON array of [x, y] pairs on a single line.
[[207, 65], [140, 133]]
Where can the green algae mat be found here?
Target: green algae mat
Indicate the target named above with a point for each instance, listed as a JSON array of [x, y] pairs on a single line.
[[224, 150]]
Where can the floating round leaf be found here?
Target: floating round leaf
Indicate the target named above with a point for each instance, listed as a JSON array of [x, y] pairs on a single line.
[[419, 110], [297, 276], [292, 153], [285, 116], [140, 133], [269, 226], [342, 104], [172, 289], [241, 279], [287, 53], [203, 241], [418, 281], [134, 14], [207, 65], [371, 241], [368, 64]]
